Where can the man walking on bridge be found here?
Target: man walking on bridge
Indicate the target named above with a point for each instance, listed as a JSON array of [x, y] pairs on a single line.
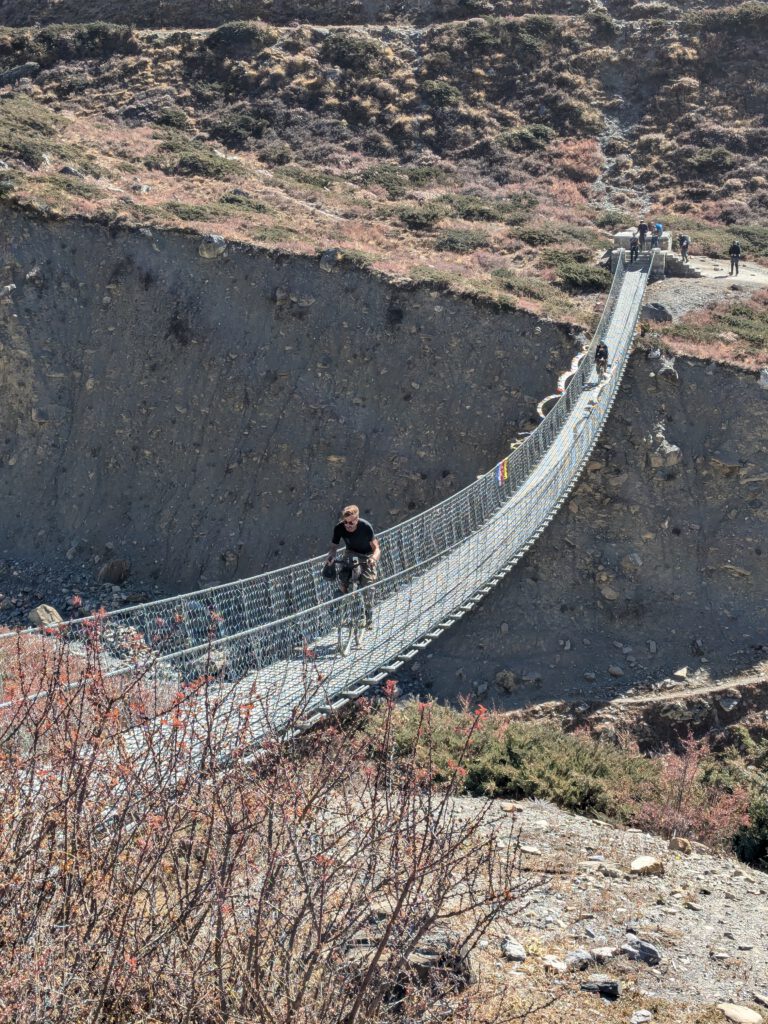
[[359, 538]]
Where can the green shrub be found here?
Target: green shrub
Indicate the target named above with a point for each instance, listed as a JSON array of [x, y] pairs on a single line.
[[748, 19], [74, 186], [237, 199], [459, 240], [27, 130], [179, 154], [526, 285], [537, 237], [353, 50], [421, 217], [307, 176], [524, 760], [237, 126], [751, 841], [241, 39], [713, 161], [472, 207], [429, 175], [392, 178], [576, 270], [441, 94], [173, 117], [186, 211], [527, 138], [96, 40]]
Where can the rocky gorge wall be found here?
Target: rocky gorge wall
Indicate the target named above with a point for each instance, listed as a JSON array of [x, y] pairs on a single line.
[[657, 564], [206, 418]]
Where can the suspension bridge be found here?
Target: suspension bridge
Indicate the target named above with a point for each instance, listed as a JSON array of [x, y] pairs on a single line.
[[261, 654]]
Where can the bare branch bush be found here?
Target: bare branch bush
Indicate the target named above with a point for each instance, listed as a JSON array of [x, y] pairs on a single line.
[[147, 874]]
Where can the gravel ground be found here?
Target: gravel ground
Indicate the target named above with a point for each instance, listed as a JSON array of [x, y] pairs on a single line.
[[707, 916], [680, 295], [24, 585]]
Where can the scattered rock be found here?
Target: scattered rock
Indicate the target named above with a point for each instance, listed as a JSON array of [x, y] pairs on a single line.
[[579, 960], [740, 1014], [656, 312], [637, 949], [554, 965], [531, 851], [646, 866], [607, 987], [330, 259], [680, 673], [116, 570], [507, 680], [681, 844], [20, 71], [44, 615], [609, 593], [615, 671], [640, 1017], [602, 954], [212, 247], [510, 808], [513, 950]]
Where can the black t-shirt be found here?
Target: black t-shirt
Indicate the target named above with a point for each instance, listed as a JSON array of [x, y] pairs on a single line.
[[359, 540]]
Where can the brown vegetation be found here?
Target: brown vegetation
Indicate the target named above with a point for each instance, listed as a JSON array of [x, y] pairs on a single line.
[[348, 137]]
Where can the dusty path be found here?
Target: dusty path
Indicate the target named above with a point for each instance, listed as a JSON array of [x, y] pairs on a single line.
[[681, 295]]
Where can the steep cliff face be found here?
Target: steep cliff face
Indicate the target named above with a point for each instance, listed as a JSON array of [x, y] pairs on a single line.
[[207, 417], [658, 562]]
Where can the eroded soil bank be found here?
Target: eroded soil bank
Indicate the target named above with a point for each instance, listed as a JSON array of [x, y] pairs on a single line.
[[657, 563], [206, 417]]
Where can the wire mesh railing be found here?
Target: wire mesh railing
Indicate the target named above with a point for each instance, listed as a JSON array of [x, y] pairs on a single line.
[[268, 644]]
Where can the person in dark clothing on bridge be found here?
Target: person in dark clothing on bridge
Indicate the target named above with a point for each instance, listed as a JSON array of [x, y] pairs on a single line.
[[633, 249], [359, 539], [642, 230], [735, 253], [601, 359], [684, 241]]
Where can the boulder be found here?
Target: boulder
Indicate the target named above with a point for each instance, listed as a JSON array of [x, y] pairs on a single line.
[[656, 312], [646, 866], [507, 680], [44, 615], [740, 1014], [637, 949], [115, 571], [212, 247], [681, 844], [607, 987], [513, 950]]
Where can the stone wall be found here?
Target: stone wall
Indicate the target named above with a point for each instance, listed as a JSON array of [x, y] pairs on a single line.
[[207, 418]]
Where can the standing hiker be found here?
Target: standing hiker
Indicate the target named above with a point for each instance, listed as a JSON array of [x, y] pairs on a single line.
[[735, 253]]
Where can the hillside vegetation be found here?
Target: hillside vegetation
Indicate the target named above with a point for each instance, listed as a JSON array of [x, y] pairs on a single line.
[[493, 155]]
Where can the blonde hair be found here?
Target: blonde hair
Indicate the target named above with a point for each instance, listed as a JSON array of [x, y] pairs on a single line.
[[350, 510]]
